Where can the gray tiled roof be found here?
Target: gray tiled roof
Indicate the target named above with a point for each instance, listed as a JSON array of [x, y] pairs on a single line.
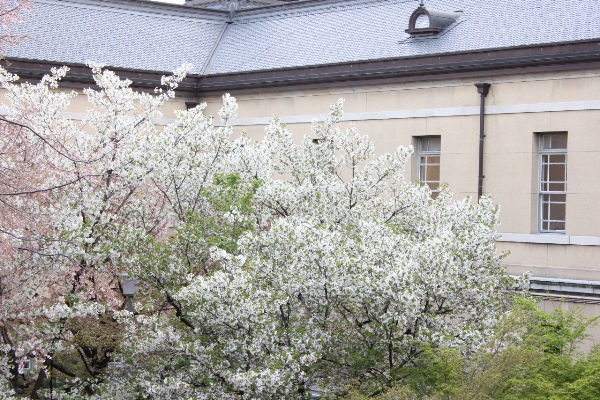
[[161, 38], [73, 32], [376, 30]]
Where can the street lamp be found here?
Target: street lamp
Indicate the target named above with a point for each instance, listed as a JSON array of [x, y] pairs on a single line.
[[128, 285]]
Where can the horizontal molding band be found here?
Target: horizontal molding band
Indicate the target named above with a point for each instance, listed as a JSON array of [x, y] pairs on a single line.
[[568, 298], [431, 112], [579, 291], [571, 290], [398, 114], [549, 238], [82, 116]]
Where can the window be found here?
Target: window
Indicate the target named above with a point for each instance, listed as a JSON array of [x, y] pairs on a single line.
[[422, 21], [28, 365], [553, 182], [429, 152]]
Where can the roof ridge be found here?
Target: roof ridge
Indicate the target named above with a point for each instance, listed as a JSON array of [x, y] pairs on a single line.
[[143, 7], [214, 51], [304, 8]]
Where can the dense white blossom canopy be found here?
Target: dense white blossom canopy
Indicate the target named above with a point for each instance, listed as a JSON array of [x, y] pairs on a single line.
[[292, 265]]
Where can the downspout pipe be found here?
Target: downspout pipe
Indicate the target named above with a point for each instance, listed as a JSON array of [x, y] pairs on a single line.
[[483, 89]]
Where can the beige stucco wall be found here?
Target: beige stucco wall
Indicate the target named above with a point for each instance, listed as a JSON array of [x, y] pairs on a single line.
[[552, 260]]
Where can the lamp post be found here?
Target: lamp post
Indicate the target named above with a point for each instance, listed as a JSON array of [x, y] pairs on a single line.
[[129, 288]]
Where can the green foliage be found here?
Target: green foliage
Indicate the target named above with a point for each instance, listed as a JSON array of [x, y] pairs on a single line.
[[167, 265], [228, 197], [226, 216], [435, 371], [551, 341], [532, 356], [586, 382]]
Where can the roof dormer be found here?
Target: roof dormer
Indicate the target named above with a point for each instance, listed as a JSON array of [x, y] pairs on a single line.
[[426, 22]]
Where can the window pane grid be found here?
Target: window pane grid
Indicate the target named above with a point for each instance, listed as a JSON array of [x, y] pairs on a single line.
[[429, 163], [553, 182]]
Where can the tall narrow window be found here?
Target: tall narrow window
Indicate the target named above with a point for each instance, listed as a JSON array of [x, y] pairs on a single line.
[[429, 152], [553, 182]]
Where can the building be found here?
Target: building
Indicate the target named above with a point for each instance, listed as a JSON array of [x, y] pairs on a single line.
[[521, 78]]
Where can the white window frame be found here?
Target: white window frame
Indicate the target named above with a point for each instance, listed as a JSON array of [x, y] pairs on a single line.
[[28, 365], [544, 183], [422, 155]]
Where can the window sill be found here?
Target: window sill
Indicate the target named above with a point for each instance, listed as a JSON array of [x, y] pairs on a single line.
[[549, 238]]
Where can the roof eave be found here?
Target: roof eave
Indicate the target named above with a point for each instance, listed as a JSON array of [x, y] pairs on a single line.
[[543, 57], [550, 57]]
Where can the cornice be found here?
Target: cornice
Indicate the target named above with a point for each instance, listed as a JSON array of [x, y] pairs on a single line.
[[80, 76], [529, 59]]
